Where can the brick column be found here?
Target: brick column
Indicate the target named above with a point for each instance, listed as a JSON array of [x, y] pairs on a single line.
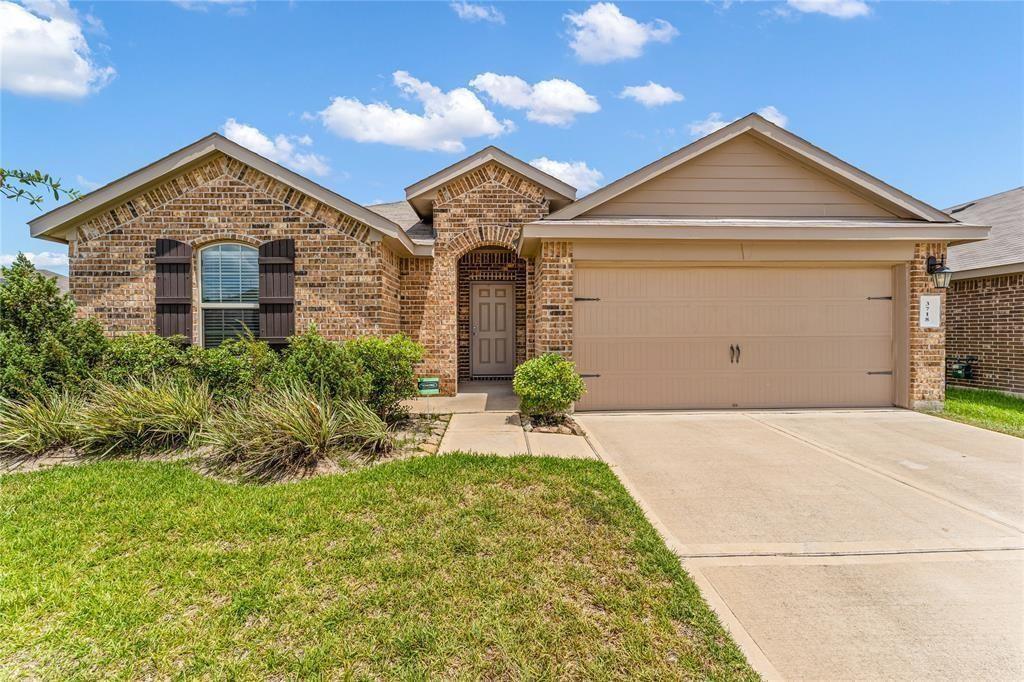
[[553, 298], [927, 346]]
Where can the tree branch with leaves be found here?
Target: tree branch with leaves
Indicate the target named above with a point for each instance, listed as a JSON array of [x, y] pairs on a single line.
[[35, 186]]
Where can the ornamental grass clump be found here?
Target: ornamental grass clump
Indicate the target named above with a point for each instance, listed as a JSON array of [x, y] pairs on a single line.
[[38, 424], [291, 428], [139, 417]]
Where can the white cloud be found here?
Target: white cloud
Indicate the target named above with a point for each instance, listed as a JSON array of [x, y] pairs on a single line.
[[577, 173], [652, 94], [774, 115], [553, 102], [603, 34], [447, 119], [86, 184], [43, 259], [283, 149], [714, 121], [709, 125], [468, 11], [235, 7], [43, 51], [841, 9]]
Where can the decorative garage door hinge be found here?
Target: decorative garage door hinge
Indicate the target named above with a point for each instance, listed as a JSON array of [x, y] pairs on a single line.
[[584, 298], [879, 298], [590, 376], [887, 373]]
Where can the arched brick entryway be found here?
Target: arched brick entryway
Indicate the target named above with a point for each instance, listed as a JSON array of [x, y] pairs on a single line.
[[490, 264]]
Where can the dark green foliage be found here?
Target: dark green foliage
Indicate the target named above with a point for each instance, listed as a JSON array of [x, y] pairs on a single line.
[[42, 344], [143, 356], [237, 368], [390, 364], [35, 180], [329, 367], [547, 386]]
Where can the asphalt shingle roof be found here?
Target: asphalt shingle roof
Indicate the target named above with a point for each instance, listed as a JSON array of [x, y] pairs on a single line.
[[402, 213], [1005, 244]]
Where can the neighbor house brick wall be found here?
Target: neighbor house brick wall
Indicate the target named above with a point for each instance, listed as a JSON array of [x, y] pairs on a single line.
[[927, 375], [985, 318], [489, 265], [340, 271], [486, 207], [553, 298]]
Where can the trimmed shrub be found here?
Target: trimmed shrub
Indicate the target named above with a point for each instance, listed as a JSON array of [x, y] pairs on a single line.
[[143, 356], [390, 364], [142, 418], [291, 428], [237, 368], [42, 345], [547, 386], [328, 367], [38, 424]]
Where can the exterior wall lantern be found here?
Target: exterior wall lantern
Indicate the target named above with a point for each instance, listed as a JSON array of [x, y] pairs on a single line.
[[939, 272]]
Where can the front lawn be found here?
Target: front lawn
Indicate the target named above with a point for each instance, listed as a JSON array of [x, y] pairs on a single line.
[[454, 566], [988, 409]]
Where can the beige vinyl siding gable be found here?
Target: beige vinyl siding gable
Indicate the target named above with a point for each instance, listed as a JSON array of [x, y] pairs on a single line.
[[741, 178]]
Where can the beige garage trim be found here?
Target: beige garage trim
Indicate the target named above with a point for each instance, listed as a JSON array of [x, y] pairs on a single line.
[[693, 337]]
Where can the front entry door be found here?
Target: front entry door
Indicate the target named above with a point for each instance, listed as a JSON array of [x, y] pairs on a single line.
[[493, 329]]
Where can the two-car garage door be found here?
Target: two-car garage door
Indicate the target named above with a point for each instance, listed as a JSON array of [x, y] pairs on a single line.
[[713, 337]]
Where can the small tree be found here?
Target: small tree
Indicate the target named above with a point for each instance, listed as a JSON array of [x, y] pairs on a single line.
[[42, 344], [36, 180]]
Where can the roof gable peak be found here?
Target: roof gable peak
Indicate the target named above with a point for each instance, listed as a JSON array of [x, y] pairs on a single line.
[[421, 194], [784, 142]]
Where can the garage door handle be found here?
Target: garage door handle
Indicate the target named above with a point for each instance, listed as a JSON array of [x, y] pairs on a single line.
[[732, 354], [737, 353]]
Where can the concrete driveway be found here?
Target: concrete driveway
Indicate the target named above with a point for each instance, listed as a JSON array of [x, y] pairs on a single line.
[[840, 544]]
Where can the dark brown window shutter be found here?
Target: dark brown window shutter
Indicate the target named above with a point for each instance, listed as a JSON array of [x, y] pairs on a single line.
[[173, 288], [277, 290]]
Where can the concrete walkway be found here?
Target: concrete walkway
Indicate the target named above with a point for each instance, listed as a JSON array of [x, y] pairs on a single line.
[[485, 420], [472, 396], [501, 433], [840, 544]]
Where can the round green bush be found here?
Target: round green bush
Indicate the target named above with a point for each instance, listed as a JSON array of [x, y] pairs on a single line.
[[237, 368], [142, 357], [390, 364], [324, 365], [547, 386]]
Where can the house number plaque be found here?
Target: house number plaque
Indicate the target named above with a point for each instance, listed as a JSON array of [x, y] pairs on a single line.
[[931, 312]]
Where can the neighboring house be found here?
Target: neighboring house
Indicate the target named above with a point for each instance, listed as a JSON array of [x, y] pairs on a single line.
[[985, 300], [62, 280], [748, 269]]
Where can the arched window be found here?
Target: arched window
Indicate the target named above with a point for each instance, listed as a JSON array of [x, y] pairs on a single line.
[[229, 286]]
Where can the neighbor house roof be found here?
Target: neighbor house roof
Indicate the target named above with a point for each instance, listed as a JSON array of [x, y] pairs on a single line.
[[880, 192], [62, 280], [1003, 251], [420, 194], [51, 225]]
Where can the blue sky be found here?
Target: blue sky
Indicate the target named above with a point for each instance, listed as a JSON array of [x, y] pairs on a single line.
[[368, 98]]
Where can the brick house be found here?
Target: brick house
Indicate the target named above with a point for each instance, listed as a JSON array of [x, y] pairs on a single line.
[[748, 269], [985, 299]]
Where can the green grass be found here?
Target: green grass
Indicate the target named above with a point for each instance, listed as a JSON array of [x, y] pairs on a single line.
[[454, 567], [988, 409]]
